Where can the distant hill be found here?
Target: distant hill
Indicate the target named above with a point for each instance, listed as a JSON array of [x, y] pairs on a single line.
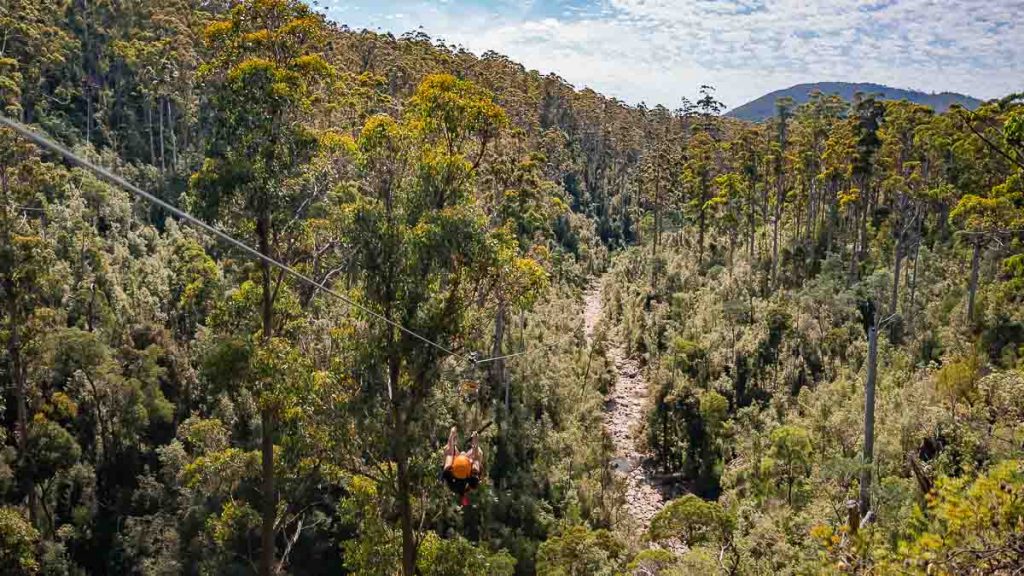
[[764, 107]]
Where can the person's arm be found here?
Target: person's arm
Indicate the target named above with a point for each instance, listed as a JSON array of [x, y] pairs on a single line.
[[477, 455]]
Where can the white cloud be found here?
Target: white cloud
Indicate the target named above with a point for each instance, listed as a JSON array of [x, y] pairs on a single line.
[[660, 50]]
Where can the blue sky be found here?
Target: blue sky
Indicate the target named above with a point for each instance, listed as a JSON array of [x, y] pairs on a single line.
[[657, 51]]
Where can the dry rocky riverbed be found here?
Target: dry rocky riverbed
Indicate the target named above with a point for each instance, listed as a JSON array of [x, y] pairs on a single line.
[[624, 413]]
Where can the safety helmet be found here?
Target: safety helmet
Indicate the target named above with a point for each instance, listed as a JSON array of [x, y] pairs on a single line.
[[462, 467]]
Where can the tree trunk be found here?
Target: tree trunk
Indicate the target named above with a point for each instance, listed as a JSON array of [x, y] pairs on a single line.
[[972, 286], [149, 128], [654, 249], [896, 268], [798, 214], [913, 284], [267, 416], [269, 512], [732, 249], [102, 424], [174, 135], [765, 193], [855, 251], [163, 164], [666, 464], [400, 450], [869, 419], [700, 236], [780, 204], [185, 108], [657, 206], [17, 368], [18, 378], [852, 517], [775, 248], [831, 220], [405, 511], [88, 114], [750, 222], [943, 231], [400, 447], [499, 381], [812, 211], [498, 366]]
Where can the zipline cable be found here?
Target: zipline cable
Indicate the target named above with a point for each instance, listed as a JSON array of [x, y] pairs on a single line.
[[70, 156], [44, 142]]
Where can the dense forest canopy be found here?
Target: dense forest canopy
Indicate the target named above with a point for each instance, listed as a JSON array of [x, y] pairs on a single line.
[[828, 309]]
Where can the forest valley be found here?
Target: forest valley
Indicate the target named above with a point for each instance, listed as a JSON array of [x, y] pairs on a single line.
[[828, 308]]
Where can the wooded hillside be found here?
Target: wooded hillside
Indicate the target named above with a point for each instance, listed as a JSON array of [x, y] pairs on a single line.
[[171, 405], [763, 108]]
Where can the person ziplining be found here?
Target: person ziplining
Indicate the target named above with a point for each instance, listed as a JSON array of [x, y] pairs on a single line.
[[462, 471]]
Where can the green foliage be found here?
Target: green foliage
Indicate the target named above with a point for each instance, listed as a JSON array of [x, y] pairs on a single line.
[[220, 472], [957, 381], [456, 112], [377, 547], [652, 561], [52, 448], [693, 521], [458, 557], [689, 358], [981, 215], [150, 377], [789, 457], [425, 252], [195, 282], [714, 411], [969, 526], [154, 380], [203, 436], [234, 524], [965, 526], [17, 544], [1013, 130], [577, 550]]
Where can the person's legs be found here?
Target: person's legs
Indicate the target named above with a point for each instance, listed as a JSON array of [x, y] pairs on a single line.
[[451, 450]]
